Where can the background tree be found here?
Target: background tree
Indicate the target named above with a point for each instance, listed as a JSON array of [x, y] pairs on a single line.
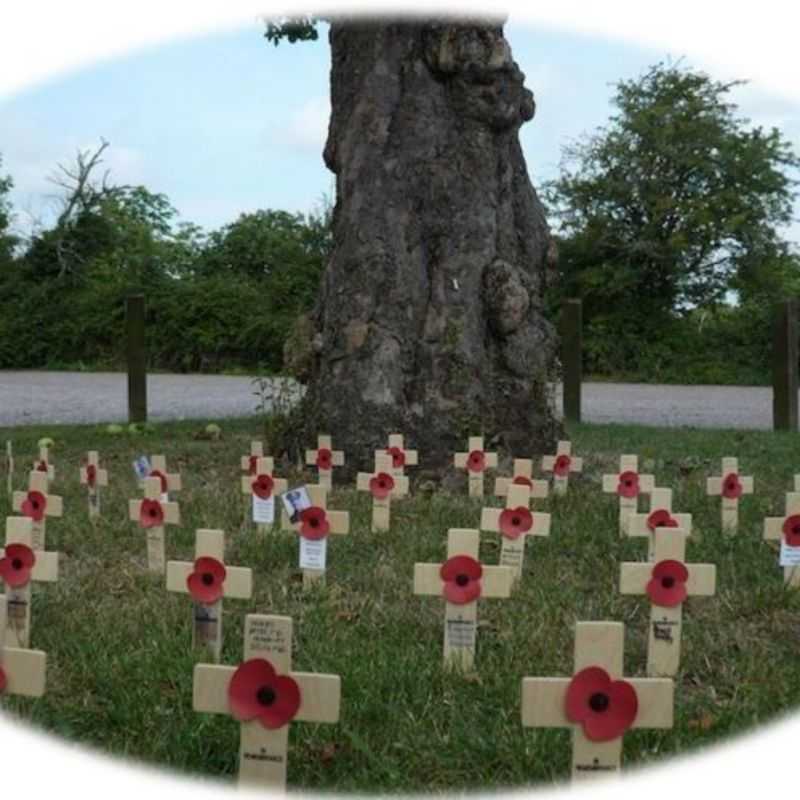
[[7, 239]]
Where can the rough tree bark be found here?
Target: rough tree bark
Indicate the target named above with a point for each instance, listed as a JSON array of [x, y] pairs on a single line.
[[430, 319]]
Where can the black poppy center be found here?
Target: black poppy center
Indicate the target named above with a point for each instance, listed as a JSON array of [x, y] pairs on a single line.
[[16, 563], [207, 578], [266, 696], [796, 529], [35, 504], [668, 581], [153, 513], [516, 521], [313, 522], [462, 580], [629, 483], [599, 702]]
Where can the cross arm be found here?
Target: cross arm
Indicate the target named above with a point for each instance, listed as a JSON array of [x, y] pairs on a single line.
[[46, 567], [427, 580], [320, 697], [210, 688], [339, 521], [543, 702], [773, 528], [172, 514], [497, 582], [25, 671], [238, 583], [656, 702], [634, 577]]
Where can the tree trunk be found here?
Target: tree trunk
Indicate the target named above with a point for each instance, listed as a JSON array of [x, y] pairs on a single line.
[[429, 321]]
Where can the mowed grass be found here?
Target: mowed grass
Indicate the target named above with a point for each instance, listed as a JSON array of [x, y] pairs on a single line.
[[120, 661]]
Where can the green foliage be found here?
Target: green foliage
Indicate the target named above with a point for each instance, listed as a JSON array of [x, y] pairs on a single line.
[[294, 29], [7, 240]]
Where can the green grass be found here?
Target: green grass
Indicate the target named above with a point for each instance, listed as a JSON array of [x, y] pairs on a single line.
[[120, 663]]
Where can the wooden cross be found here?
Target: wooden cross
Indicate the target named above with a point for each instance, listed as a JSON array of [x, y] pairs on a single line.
[[208, 579], [628, 484], [730, 486], [667, 580], [43, 463], [561, 465], [249, 462], [401, 458], [266, 697], [259, 488], [461, 580], [598, 710], [325, 458], [786, 530], [384, 486], [10, 468], [22, 671], [523, 475], [170, 482], [38, 504], [152, 514], [20, 565], [515, 524], [94, 477], [476, 462], [660, 511]]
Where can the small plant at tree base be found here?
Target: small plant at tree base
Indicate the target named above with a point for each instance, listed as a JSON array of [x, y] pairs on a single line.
[[276, 398]]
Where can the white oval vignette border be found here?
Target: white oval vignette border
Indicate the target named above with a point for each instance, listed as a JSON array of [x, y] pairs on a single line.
[[40, 39]]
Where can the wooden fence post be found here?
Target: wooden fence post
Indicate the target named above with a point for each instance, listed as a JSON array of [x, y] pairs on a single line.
[[572, 357], [784, 367], [137, 358]]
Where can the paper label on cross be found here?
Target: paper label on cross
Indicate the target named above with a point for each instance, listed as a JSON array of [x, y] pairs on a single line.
[[313, 553], [263, 510], [786, 529], [263, 487]]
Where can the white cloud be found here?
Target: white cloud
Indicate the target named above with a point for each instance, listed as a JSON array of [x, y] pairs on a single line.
[[307, 128]]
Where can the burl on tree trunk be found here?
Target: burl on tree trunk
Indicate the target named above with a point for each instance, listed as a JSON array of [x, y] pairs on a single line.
[[430, 319]]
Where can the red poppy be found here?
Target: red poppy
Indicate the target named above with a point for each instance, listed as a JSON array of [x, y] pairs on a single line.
[[205, 583], [3, 680], [731, 487], [398, 456], [314, 523], [91, 475], [324, 458], [34, 506], [263, 486], [667, 587], [157, 473], [41, 466], [628, 485], [661, 518], [16, 565], [791, 530], [462, 579], [151, 514], [256, 691], [476, 461], [253, 465], [561, 466], [381, 485], [515, 521], [605, 708], [521, 480]]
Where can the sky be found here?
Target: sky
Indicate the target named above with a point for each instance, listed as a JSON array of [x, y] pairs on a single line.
[[227, 123]]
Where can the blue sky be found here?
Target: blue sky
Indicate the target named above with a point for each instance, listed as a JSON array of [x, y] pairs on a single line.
[[224, 124]]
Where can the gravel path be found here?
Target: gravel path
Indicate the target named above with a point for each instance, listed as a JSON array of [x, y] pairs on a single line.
[[75, 397]]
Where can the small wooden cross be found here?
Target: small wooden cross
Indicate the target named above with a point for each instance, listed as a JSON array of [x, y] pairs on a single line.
[[401, 458], [659, 516], [561, 465], [152, 514], [262, 489], [476, 462], [20, 565], [265, 696], [461, 580], [208, 579], [515, 524], [22, 671], [44, 465], [325, 458], [597, 703], [523, 475], [668, 581], [38, 504], [786, 530], [94, 477], [628, 484], [170, 481], [249, 462], [384, 486], [731, 486], [10, 468]]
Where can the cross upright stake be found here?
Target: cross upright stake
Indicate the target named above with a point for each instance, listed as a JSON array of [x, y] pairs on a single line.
[[786, 530], [153, 514], [93, 477], [265, 696], [325, 458], [731, 486], [597, 703], [261, 488], [461, 580], [561, 465], [668, 581], [44, 465], [20, 565], [628, 484], [22, 671], [401, 458], [476, 462], [522, 475], [37, 504], [170, 481], [249, 462], [10, 468], [660, 516], [383, 487], [515, 524], [208, 579]]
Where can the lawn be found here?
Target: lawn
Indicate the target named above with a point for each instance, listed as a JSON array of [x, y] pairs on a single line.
[[119, 645]]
